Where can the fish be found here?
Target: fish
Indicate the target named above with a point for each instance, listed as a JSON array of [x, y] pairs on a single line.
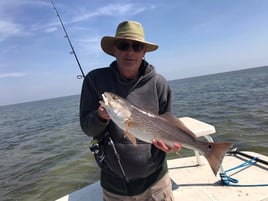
[[137, 123]]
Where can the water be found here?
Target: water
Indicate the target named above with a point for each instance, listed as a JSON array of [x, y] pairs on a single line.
[[44, 154], [236, 103]]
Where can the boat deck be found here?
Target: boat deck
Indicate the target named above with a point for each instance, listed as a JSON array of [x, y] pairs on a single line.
[[192, 182]]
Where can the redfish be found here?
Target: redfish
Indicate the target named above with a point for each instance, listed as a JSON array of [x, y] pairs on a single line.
[[146, 126]]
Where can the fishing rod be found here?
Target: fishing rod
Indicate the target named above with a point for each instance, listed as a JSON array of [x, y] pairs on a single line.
[[94, 87], [69, 41], [74, 53]]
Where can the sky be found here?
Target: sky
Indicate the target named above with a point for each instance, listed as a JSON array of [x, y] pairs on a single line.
[[194, 37]]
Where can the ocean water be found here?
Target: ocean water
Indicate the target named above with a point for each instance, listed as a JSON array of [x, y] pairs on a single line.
[[44, 154]]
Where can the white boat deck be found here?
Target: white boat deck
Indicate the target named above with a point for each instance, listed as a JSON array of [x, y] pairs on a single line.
[[194, 183], [193, 180]]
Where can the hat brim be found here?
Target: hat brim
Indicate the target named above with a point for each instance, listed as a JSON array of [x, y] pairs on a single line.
[[107, 43]]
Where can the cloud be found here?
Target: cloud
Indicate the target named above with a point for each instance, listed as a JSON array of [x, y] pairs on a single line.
[[111, 10], [119, 9], [9, 17], [89, 45], [11, 4], [12, 75], [51, 29], [8, 29]]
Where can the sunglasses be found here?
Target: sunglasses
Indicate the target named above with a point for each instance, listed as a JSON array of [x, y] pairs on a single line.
[[124, 46]]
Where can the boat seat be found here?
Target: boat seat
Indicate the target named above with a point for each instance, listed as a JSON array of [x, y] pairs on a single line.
[[200, 129]]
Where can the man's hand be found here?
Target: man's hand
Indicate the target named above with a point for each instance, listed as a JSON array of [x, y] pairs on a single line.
[[103, 115], [162, 146]]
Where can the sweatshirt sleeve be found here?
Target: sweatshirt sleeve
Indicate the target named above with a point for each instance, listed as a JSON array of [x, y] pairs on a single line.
[[164, 95], [90, 122]]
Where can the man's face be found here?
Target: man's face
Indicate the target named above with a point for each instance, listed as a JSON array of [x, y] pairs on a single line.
[[129, 54]]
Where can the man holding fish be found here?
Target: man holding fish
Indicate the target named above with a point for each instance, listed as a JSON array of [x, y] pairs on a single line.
[[133, 165], [131, 77]]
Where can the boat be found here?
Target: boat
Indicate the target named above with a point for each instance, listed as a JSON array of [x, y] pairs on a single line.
[[243, 175]]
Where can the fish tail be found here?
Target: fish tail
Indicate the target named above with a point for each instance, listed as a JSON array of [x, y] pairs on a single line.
[[216, 154]]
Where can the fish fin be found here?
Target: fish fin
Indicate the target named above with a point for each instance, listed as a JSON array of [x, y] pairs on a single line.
[[178, 123], [215, 154], [131, 137]]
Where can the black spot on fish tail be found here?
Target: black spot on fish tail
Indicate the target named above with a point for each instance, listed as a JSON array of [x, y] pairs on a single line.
[[209, 147], [216, 153]]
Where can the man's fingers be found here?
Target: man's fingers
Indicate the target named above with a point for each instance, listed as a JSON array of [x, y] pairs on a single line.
[[177, 146], [103, 114], [161, 145]]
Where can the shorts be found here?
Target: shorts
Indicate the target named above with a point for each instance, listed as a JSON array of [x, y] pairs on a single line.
[[160, 191]]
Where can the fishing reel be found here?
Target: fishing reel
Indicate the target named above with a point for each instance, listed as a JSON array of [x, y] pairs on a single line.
[[97, 148]]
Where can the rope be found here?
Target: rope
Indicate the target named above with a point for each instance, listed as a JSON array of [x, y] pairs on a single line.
[[229, 181]]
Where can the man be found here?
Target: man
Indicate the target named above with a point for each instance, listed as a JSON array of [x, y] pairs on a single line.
[[141, 171]]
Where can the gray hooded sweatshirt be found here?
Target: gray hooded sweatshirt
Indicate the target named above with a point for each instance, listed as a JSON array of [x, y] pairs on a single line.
[[143, 164]]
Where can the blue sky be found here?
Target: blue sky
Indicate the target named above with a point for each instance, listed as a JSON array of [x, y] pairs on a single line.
[[195, 38]]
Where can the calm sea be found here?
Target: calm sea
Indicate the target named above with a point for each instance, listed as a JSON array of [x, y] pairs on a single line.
[[44, 154]]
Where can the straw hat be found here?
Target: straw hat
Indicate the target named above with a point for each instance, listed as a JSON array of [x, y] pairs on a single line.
[[129, 30]]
